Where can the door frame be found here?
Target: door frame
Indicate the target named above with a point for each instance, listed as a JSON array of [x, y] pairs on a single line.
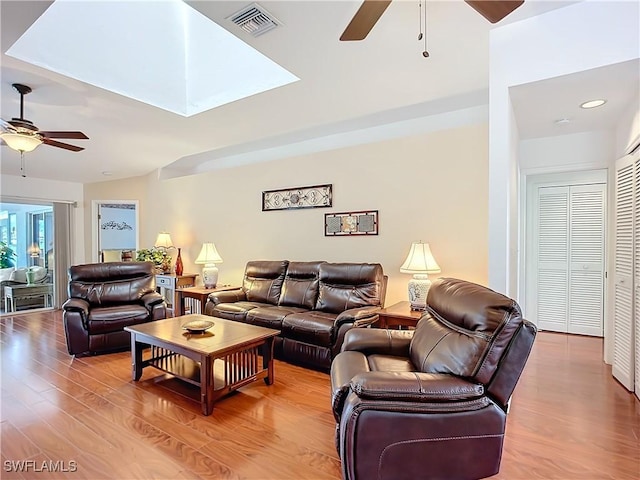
[[95, 225]]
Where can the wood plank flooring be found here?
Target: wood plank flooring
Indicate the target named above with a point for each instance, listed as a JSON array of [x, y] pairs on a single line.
[[569, 419]]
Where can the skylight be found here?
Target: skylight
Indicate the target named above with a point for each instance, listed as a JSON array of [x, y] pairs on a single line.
[[164, 53]]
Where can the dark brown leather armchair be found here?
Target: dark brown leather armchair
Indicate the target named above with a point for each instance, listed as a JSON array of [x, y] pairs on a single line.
[[431, 403], [103, 299]]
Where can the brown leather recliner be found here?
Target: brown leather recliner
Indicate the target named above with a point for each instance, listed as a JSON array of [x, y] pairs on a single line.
[[103, 299], [431, 403]]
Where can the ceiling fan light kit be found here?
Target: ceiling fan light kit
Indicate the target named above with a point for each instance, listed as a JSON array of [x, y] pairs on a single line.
[[21, 142]]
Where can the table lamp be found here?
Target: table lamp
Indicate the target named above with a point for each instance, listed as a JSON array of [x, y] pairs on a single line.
[[420, 263], [209, 256], [164, 243]]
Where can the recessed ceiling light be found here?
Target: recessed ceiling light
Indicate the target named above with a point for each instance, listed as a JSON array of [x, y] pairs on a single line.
[[562, 121], [107, 173], [593, 103]]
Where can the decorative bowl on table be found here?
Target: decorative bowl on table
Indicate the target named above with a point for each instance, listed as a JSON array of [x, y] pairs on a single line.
[[197, 326]]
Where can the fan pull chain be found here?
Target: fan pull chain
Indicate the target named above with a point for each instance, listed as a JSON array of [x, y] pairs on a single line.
[[420, 18], [23, 171], [425, 53]]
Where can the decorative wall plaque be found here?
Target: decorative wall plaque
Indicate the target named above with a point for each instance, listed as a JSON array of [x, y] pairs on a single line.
[[351, 223], [300, 197]]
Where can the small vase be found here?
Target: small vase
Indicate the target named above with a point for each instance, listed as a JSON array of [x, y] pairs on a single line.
[[179, 265]]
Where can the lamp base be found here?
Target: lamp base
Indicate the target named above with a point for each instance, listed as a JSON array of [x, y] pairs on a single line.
[[418, 289], [210, 276]]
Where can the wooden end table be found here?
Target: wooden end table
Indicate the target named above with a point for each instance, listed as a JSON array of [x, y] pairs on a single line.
[[199, 295], [219, 361], [399, 315], [169, 285]]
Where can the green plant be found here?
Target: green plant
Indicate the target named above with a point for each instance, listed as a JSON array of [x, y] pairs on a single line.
[[7, 256], [155, 255]]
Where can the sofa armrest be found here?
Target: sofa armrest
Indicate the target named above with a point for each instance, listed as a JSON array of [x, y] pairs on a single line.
[[360, 317], [379, 341], [227, 296], [415, 387], [151, 299], [77, 305]]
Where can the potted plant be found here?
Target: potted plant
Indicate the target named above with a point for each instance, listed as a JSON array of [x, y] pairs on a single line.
[[159, 257], [7, 256]]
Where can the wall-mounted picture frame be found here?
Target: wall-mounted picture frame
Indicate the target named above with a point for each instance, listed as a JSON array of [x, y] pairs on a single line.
[[316, 196], [351, 223]]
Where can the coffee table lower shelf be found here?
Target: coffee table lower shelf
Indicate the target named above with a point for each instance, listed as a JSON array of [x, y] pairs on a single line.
[[228, 373]]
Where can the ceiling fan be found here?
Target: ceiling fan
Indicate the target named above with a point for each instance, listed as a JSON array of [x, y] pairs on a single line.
[[22, 135], [371, 10]]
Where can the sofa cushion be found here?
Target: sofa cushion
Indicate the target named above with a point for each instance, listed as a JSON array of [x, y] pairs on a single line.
[[237, 310], [20, 274], [113, 319], [271, 317], [300, 286], [263, 281], [349, 285], [312, 327]]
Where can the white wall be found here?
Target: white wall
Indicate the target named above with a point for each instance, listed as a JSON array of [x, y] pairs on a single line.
[[430, 187], [628, 128], [29, 189], [575, 38]]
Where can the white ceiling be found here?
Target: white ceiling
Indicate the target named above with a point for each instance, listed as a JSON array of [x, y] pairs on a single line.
[[344, 86]]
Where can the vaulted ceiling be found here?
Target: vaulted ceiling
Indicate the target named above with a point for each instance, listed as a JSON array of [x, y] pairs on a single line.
[[344, 86]]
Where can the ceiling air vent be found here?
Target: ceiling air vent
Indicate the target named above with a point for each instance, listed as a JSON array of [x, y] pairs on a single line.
[[254, 20]]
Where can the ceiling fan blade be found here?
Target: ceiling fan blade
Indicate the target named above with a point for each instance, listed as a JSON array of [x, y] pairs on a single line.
[[66, 146], [6, 126], [364, 19], [494, 10], [76, 135]]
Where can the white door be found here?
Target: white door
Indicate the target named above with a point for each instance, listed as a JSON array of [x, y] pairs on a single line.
[[552, 234], [623, 350], [570, 253], [636, 268]]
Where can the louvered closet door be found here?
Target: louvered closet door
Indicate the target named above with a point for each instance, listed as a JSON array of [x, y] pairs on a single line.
[[552, 242], [586, 257], [636, 267], [623, 353]]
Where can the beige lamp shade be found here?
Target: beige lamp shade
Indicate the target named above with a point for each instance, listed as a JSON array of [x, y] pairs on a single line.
[[163, 240], [209, 256], [420, 263], [420, 260], [21, 142]]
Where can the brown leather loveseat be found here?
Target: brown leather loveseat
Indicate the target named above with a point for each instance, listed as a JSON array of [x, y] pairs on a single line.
[[313, 304], [103, 299], [431, 403]]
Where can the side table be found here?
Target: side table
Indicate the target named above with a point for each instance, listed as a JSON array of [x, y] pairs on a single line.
[[399, 315], [169, 285], [198, 297]]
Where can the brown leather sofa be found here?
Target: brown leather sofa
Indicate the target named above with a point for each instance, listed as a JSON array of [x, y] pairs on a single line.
[[431, 403], [313, 304], [103, 299]]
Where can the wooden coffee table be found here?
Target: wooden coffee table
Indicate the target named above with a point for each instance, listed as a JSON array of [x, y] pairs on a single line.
[[219, 361]]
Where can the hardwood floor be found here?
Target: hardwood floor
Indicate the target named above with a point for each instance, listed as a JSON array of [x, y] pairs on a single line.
[[569, 419]]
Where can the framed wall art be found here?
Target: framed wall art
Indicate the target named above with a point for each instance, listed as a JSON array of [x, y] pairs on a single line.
[[351, 223], [299, 197]]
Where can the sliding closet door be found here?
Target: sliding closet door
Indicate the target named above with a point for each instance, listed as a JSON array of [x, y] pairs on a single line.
[[570, 247], [552, 235], [623, 353]]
